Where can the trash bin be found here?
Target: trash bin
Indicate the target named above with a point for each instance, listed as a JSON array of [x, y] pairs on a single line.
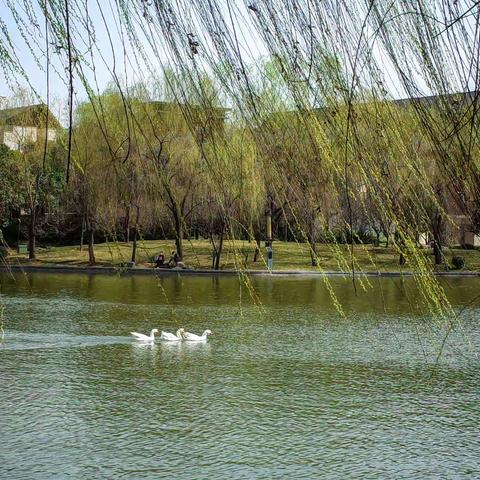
[[269, 257], [22, 248]]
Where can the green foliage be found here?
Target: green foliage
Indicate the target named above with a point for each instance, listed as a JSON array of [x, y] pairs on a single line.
[[458, 262], [11, 197]]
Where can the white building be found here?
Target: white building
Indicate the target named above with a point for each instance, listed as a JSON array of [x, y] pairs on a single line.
[[24, 126]]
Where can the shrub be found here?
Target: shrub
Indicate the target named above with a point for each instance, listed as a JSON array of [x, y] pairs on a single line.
[[458, 263], [3, 252]]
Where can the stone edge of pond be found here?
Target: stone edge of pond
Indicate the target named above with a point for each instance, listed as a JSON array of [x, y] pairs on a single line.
[[187, 271]]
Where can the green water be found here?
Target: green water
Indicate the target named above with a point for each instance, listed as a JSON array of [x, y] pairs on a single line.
[[288, 389]]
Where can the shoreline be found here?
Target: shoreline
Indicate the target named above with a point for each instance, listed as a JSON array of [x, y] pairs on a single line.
[[110, 270]]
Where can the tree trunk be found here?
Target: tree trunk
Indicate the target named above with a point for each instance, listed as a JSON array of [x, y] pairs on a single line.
[[437, 239], [398, 240], [91, 242], [217, 249], [177, 214], [135, 236], [219, 252], [31, 236], [82, 234], [313, 246], [313, 253], [134, 247], [437, 252], [127, 224], [258, 239], [386, 232], [179, 236]]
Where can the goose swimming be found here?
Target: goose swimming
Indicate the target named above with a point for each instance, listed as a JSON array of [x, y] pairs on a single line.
[[191, 337], [170, 337], [145, 338]]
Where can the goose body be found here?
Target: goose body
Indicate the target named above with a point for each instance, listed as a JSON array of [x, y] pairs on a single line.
[[145, 338], [170, 337], [191, 337]]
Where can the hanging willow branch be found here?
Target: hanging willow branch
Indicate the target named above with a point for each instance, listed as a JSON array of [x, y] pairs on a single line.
[[312, 91], [70, 88]]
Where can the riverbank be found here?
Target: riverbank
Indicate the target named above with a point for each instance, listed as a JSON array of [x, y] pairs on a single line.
[[290, 258], [205, 272]]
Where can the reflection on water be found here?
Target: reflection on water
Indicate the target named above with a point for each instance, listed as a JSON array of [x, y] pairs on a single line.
[[144, 352], [290, 390]]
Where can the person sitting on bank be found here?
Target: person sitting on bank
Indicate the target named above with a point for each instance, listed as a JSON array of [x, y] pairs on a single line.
[[176, 261], [160, 260]]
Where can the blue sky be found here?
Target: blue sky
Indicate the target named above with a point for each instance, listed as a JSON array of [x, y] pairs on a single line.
[[37, 74], [103, 59]]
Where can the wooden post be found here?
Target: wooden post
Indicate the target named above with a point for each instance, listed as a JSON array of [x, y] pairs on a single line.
[[268, 242], [269, 227]]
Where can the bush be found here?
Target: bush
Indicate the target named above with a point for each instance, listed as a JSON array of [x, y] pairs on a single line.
[[3, 252], [344, 236], [458, 263]]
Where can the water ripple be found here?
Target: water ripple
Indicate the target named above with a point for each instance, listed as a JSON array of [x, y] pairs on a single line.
[[292, 394]]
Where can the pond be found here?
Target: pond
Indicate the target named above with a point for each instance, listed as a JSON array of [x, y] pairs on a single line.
[[285, 388]]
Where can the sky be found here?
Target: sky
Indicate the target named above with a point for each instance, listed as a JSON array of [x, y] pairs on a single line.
[[58, 84], [126, 68], [253, 49]]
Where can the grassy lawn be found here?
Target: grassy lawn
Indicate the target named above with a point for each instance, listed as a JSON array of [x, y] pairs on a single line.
[[198, 254]]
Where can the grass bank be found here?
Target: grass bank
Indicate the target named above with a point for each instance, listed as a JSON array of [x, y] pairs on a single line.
[[198, 255]]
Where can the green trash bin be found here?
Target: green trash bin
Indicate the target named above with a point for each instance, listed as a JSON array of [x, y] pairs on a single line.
[[22, 248]]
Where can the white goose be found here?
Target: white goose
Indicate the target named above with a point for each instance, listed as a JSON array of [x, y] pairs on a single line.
[[191, 337], [170, 337], [145, 338]]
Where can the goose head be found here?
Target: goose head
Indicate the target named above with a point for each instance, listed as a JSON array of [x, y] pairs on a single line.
[[180, 332], [154, 331], [207, 332]]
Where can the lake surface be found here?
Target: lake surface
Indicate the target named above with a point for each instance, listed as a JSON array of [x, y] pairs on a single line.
[[287, 388]]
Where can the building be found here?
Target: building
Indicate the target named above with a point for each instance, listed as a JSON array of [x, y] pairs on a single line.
[[281, 135], [202, 121], [22, 126]]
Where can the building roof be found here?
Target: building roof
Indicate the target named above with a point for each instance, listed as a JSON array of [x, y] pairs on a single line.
[[29, 116], [460, 98], [218, 113]]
